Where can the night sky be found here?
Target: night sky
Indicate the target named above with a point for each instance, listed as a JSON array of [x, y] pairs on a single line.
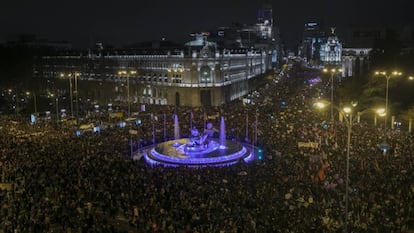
[[122, 22]]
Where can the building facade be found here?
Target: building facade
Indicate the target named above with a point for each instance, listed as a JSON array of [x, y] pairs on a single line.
[[198, 74], [355, 61], [313, 38], [331, 50]]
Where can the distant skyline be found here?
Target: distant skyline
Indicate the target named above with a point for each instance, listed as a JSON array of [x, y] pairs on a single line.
[[124, 22]]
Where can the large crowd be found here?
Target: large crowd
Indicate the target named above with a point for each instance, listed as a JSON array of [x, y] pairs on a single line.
[[55, 181]]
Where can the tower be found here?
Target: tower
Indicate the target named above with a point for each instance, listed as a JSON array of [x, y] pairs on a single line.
[[265, 21]]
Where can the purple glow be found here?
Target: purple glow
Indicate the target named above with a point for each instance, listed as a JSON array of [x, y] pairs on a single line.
[[155, 163], [183, 149], [190, 160], [314, 80], [168, 155], [249, 158], [222, 147]]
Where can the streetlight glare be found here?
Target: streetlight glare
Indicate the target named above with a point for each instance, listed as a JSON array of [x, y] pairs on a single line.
[[320, 105], [336, 70], [387, 77], [380, 73], [347, 109]]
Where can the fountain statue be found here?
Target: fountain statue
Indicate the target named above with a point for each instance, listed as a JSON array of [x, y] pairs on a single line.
[[197, 141], [199, 149]]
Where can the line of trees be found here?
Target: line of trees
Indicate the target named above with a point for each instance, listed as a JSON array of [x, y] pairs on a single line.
[[369, 90]]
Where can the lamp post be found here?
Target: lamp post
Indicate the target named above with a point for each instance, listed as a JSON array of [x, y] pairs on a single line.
[[347, 113], [35, 102], [332, 72], [127, 74], [62, 75], [387, 77], [76, 74], [57, 109]]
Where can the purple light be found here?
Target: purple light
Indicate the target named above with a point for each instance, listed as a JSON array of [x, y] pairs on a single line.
[[168, 155], [155, 163], [249, 158], [190, 160], [314, 80]]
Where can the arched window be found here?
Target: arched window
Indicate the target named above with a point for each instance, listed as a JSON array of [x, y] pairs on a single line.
[[205, 74]]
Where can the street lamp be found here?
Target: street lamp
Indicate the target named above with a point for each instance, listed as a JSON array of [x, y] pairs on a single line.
[[387, 76], [75, 75], [347, 113], [62, 75], [51, 95], [127, 74], [34, 100], [332, 72]]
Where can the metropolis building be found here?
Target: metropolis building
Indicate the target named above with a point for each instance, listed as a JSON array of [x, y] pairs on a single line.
[[202, 72]]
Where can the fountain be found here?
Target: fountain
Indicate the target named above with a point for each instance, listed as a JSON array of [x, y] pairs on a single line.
[[222, 134], [176, 131], [199, 149]]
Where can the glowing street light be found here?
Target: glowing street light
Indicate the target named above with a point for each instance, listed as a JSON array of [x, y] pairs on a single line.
[[380, 112], [75, 75], [332, 72], [127, 74], [387, 76], [348, 116], [320, 105]]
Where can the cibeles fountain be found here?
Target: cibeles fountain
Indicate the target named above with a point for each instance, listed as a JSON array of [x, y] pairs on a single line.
[[199, 149]]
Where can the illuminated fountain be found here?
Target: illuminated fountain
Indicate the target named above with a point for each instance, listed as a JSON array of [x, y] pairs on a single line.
[[176, 131], [199, 149], [222, 134]]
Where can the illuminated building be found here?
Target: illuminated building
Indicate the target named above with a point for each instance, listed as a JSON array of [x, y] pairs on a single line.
[[313, 37], [331, 50], [355, 61], [199, 74], [203, 72]]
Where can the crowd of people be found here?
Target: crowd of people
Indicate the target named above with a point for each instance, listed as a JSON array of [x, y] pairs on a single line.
[[55, 181]]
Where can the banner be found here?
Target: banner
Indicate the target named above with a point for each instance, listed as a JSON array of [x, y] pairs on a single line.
[[308, 144], [116, 115]]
